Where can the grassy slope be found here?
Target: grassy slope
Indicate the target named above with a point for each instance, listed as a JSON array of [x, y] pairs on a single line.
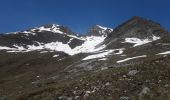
[[151, 82]]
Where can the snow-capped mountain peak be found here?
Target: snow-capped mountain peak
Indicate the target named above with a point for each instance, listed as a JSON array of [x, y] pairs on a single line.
[[55, 37], [52, 28], [41, 60], [104, 28], [101, 27], [98, 30]]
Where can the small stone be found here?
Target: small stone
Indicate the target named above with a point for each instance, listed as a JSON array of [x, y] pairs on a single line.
[[124, 76], [86, 95], [132, 72], [107, 84], [145, 90]]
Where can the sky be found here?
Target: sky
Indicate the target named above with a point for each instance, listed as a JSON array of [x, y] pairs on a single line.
[[79, 15]]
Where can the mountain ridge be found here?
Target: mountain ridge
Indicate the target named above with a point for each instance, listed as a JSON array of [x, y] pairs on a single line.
[[129, 62]]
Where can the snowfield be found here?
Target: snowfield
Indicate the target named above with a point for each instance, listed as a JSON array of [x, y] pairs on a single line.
[[90, 45]]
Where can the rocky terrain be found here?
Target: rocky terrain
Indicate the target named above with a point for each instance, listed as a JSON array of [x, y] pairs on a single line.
[[51, 62]]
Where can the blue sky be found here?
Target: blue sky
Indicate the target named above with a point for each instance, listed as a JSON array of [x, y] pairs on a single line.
[[79, 15]]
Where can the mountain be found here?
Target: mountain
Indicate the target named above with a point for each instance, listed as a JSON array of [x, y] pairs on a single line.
[[51, 62], [99, 31], [137, 28], [51, 38], [38, 36]]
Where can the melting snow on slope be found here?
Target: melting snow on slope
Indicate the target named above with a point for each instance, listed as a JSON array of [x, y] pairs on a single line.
[[164, 53], [43, 51], [99, 55], [127, 59], [88, 46], [137, 41], [55, 56], [6, 48], [103, 54]]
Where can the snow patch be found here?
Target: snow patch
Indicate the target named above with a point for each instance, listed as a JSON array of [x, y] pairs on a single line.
[[104, 54], [6, 48], [43, 51], [90, 44], [27, 33], [70, 40], [164, 53], [55, 56], [138, 42], [99, 55], [19, 48], [127, 59], [33, 47]]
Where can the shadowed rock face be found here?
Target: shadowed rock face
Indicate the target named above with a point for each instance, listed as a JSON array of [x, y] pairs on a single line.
[[136, 27], [99, 31], [53, 63]]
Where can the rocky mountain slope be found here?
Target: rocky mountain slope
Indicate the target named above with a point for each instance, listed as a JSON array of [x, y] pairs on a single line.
[[130, 62]]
